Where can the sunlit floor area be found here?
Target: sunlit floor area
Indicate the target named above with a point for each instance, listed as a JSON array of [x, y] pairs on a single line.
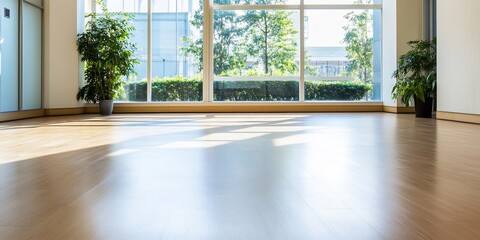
[[239, 176]]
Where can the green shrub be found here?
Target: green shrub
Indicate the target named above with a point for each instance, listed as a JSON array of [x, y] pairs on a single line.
[[136, 91], [166, 89], [190, 89], [255, 90], [177, 89], [337, 91]]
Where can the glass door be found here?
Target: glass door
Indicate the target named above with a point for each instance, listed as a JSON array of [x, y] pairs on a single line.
[[9, 55], [32, 57]]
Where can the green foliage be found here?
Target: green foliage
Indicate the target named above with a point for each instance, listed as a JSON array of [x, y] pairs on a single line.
[[416, 72], [268, 35], [108, 54], [177, 89], [255, 90], [272, 37], [337, 91], [166, 89], [309, 69], [135, 91], [194, 47], [359, 44], [227, 49], [228, 30], [183, 89]]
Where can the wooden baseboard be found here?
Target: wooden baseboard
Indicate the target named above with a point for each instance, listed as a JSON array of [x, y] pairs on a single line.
[[64, 111], [459, 117], [239, 107], [399, 110], [10, 116], [225, 107]]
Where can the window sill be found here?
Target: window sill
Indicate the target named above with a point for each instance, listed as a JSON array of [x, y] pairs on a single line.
[[178, 107]]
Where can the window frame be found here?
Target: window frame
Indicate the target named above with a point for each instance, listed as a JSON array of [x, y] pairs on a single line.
[[301, 7], [208, 26]]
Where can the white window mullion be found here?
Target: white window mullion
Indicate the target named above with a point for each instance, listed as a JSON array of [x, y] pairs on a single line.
[[208, 51], [302, 52], [149, 51], [295, 6]]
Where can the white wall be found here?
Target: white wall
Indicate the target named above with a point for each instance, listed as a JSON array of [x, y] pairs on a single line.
[[458, 56], [61, 72], [403, 22], [409, 23]]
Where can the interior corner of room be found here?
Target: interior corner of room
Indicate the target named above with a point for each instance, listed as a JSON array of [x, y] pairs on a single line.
[[41, 69]]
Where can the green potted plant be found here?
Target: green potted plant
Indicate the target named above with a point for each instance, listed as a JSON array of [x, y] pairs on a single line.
[[108, 54], [417, 77]]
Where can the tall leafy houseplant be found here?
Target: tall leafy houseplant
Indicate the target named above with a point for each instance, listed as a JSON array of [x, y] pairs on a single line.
[[108, 54], [417, 77]]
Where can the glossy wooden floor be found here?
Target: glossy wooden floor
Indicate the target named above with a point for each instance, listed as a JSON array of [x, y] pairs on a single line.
[[239, 176]]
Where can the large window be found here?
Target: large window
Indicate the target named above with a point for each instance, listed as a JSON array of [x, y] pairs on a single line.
[[255, 50], [256, 55], [171, 73], [342, 55], [176, 31], [135, 89]]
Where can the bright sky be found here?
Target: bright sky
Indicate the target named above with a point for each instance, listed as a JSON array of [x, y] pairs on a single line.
[[325, 27]]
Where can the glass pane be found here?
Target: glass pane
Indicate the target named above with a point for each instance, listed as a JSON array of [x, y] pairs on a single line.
[[135, 88], [255, 2], [32, 57], [177, 50], [343, 55], [131, 6], [343, 1], [256, 55], [9, 57]]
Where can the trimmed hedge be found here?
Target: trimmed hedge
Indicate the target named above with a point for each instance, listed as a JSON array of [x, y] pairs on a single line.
[[183, 89], [166, 89], [255, 90], [337, 91]]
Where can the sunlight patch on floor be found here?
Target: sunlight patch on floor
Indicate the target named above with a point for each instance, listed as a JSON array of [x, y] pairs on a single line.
[[194, 144], [122, 152], [272, 129], [263, 116], [288, 123], [294, 139], [250, 119], [230, 136]]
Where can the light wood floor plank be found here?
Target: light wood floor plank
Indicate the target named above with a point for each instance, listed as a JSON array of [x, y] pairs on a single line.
[[239, 176]]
